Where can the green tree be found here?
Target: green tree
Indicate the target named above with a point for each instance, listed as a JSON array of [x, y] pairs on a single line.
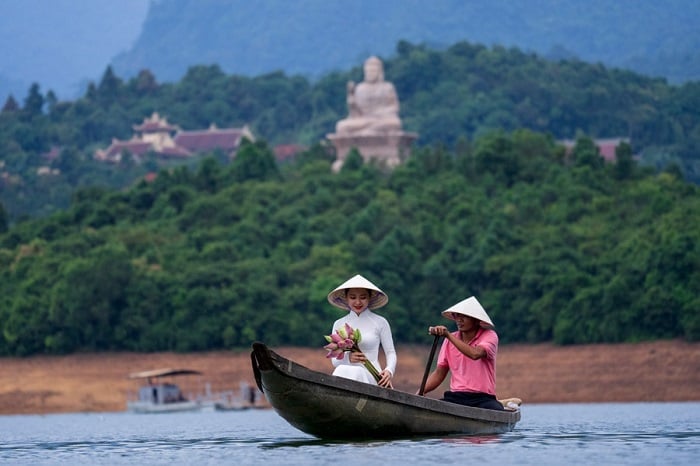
[[254, 161], [34, 102], [88, 300], [624, 162], [10, 105], [4, 221], [585, 153]]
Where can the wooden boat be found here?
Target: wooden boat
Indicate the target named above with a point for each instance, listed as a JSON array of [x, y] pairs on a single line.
[[331, 407]]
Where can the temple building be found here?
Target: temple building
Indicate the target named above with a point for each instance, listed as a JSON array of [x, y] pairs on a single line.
[[168, 141]]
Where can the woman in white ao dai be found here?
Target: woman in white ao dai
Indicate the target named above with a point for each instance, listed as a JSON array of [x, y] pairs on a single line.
[[359, 296]]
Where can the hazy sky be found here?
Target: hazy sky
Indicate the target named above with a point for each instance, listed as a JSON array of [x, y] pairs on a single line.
[[59, 43]]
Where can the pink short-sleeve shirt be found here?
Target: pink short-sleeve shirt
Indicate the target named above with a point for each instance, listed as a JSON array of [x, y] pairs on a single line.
[[469, 375]]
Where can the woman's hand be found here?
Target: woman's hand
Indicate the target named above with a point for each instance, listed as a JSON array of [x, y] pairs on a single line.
[[385, 381], [357, 357]]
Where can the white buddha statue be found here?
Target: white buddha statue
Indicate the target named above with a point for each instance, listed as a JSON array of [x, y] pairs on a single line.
[[373, 105]]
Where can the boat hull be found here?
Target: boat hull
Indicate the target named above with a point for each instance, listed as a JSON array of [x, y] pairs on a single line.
[[331, 407], [145, 407]]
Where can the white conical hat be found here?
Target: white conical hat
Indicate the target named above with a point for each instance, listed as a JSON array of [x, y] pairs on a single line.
[[469, 307], [377, 297]]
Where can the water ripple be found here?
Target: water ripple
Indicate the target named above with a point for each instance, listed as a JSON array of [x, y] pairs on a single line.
[[653, 433]]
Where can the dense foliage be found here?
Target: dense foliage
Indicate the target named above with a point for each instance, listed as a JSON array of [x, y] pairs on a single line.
[[557, 248], [218, 253], [448, 97]]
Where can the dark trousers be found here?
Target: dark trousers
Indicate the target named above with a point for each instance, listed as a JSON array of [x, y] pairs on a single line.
[[477, 400]]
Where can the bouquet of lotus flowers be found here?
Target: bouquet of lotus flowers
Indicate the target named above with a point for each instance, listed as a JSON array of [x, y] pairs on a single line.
[[346, 339]]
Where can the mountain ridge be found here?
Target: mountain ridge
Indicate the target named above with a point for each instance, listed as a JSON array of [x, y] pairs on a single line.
[[73, 41], [313, 38]]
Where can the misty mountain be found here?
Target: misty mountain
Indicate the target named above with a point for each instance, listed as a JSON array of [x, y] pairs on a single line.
[[312, 37], [63, 44]]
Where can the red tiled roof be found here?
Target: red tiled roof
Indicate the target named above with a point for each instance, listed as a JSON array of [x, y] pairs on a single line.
[[198, 141], [52, 154], [133, 147], [153, 127], [176, 151], [606, 147], [154, 124], [287, 151]]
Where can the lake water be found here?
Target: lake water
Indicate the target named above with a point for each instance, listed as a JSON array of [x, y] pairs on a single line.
[[548, 434]]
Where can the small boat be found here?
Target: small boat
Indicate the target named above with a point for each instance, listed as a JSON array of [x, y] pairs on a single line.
[[160, 394], [331, 407], [248, 397]]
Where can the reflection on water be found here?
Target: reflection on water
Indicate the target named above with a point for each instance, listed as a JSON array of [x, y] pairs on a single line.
[[475, 440], [312, 441], [651, 433], [309, 442]]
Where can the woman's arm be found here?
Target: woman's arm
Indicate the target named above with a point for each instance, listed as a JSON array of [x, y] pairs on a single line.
[[387, 342]]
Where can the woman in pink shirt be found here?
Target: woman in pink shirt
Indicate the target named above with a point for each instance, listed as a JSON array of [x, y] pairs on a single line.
[[469, 354]]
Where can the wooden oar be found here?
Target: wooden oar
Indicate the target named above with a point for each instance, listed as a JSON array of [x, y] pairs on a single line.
[[427, 367]]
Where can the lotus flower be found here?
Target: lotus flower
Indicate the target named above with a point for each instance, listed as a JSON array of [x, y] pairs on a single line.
[[346, 339]]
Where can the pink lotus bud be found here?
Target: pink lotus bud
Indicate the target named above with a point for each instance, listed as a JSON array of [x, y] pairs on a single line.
[[348, 331], [331, 347], [335, 353]]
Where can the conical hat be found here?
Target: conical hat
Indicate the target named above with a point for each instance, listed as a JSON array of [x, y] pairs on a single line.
[[469, 307], [377, 297]]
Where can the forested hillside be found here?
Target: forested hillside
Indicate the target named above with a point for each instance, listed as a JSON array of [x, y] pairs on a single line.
[[563, 249], [215, 254], [449, 97]]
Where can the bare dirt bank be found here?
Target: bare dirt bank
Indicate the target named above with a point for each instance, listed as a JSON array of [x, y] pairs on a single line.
[[543, 373]]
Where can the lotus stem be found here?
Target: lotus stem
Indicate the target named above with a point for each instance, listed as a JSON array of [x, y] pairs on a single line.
[[372, 370]]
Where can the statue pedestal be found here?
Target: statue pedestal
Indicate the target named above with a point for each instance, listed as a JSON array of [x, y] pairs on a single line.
[[387, 149]]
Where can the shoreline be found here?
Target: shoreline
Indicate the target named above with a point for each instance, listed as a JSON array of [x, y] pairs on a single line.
[[541, 373]]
